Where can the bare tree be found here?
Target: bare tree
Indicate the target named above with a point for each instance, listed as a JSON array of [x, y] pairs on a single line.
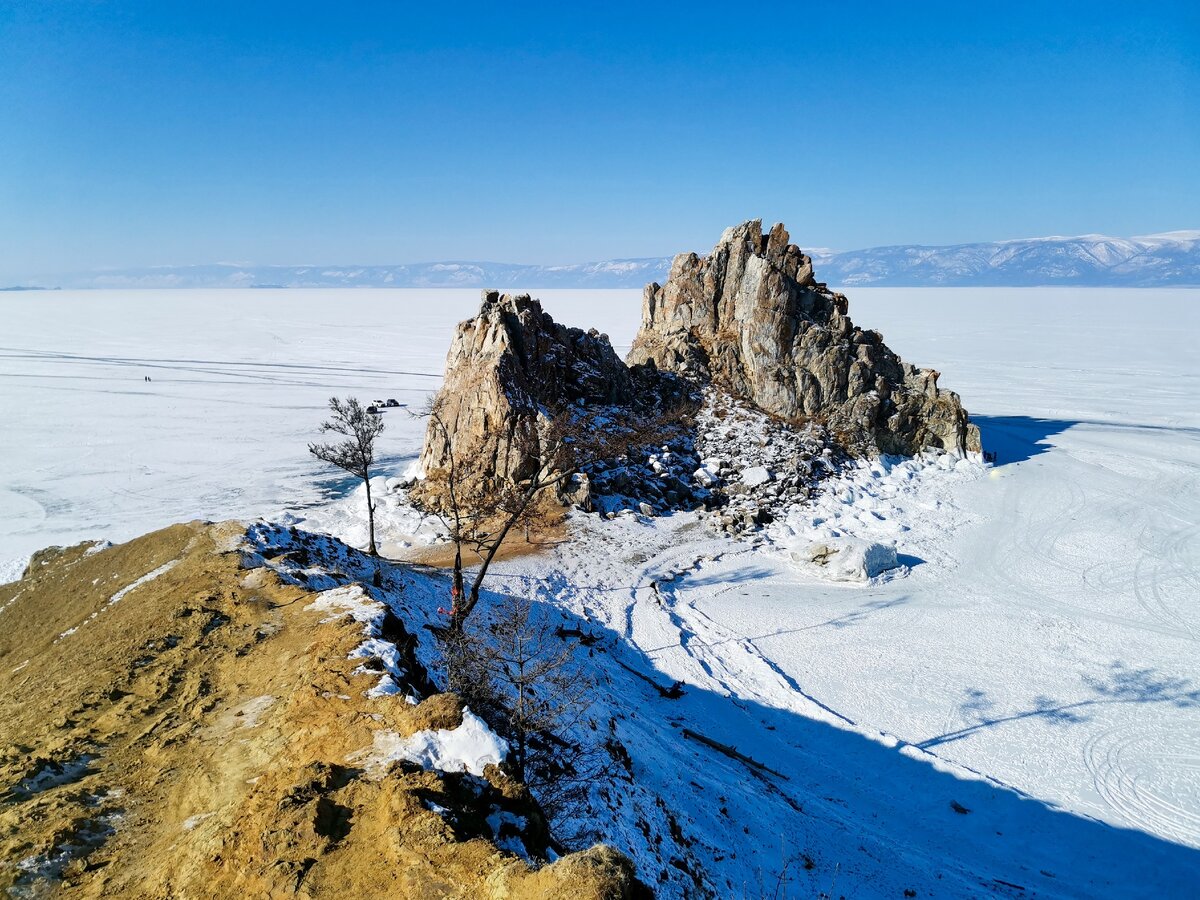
[[546, 691], [480, 513], [355, 454]]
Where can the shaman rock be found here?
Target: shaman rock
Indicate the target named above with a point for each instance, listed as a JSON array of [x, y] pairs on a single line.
[[751, 319]]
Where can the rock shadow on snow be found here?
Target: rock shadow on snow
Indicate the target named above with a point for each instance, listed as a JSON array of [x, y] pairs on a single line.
[[1016, 439], [1120, 684], [741, 575]]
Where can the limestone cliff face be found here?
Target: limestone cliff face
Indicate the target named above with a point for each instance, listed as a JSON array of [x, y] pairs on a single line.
[[505, 367], [751, 318]]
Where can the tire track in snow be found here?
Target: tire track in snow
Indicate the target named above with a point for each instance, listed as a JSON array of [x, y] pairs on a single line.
[[1167, 565], [1034, 573], [1149, 775], [700, 634]]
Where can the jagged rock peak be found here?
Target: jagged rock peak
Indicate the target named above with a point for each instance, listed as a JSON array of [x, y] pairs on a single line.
[[751, 318], [505, 367]]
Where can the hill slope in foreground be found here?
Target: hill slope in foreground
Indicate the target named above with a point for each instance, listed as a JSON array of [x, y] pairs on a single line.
[[185, 715], [223, 710]]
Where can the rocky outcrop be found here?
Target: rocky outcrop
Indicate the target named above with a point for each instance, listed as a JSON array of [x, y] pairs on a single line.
[[771, 383], [507, 367], [511, 370], [752, 319]]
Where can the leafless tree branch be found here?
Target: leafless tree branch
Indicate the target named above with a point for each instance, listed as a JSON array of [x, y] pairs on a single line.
[[355, 454]]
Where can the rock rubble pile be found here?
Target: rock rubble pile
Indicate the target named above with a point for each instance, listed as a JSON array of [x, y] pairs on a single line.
[[756, 465]]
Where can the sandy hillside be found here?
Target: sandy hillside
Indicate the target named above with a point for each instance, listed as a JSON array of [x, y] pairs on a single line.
[[180, 717]]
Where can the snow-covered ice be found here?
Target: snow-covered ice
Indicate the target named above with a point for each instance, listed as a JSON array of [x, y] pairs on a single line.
[[238, 383], [1033, 660]]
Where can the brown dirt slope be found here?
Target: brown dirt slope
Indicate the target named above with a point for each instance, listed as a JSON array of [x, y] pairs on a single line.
[[193, 736]]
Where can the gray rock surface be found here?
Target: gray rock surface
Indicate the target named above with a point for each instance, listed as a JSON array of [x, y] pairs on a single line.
[[751, 319], [505, 367]]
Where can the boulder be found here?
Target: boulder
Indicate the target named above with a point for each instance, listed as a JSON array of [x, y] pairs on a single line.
[[752, 319], [578, 492], [847, 559], [755, 476]]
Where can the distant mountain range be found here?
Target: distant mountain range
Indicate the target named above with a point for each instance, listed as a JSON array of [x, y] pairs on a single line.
[[616, 273], [1091, 260], [1170, 259]]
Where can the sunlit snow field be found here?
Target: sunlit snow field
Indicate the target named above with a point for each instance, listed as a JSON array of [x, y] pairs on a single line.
[[1047, 633]]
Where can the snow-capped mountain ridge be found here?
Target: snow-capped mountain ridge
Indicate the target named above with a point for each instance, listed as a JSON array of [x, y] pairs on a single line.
[[1157, 260], [1093, 260]]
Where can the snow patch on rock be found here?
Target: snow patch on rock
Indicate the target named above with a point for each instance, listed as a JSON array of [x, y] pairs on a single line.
[[755, 476], [470, 747], [340, 575]]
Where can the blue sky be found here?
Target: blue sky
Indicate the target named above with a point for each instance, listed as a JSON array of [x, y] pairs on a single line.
[[172, 133]]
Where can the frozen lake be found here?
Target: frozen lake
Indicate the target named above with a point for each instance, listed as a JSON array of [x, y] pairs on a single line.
[[1047, 636], [239, 380]]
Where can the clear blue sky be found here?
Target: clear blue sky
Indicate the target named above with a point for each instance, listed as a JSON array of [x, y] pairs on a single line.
[[170, 132]]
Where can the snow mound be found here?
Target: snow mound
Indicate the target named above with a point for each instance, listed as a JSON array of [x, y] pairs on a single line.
[[871, 510], [847, 559]]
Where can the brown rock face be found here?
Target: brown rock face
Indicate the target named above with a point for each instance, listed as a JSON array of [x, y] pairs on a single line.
[[504, 368], [751, 318]]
